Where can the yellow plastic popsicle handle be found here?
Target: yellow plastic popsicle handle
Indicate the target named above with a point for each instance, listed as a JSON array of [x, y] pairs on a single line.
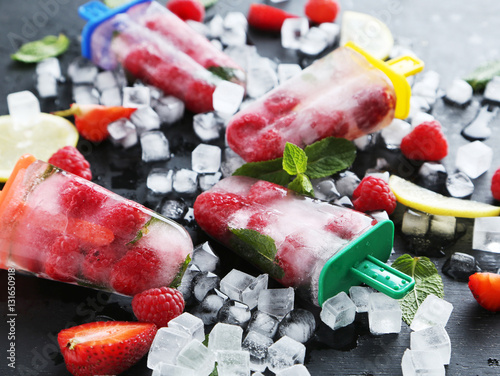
[[397, 70]]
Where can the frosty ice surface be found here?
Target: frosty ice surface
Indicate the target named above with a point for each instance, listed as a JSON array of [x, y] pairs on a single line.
[[185, 181], [298, 324], [384, 314], [234, 312], [205, 258], [225, 337], [434, 338], [197, 357], [190, 324], [167, 344], [338, 311], [432, 311], [24, 107], [122, 133], [417, 362], [233, 363], [276, 302], [257, 345], [206, 159], [486, 235], [474, 158], [284, 353], [360, 297], [295, 370], [263, 323], [155, 146]]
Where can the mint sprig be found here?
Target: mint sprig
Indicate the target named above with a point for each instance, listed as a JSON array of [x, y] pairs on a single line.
[[294, 159], [427, 281], [34, 52], [483, 74]]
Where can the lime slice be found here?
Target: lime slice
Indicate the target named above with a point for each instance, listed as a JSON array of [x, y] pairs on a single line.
[[367, 32], [422, 199], [41, 140]]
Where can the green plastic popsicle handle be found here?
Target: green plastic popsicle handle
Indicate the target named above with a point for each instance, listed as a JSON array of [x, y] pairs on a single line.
[[363, 260]]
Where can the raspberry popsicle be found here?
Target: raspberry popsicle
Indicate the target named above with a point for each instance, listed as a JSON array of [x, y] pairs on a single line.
[[318, 248], [59, 226], [344, 94]]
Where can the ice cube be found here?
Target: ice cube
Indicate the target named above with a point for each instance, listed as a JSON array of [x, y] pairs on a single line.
[[186, 286], [291, 32], [443, 227], [479, 128], [459, 185], [155, 147], [287, 71], [416, 363], [427, 86], [159, 180], [492, 91], [344, 201], [460, 266], [421, 117], [384, 314], [209, 308], [185, 181], [206, 159], [167, 344], [225, 337], [325, 189], [189, 216], [82, 71], [111, 97], [234, 312], [173, 209], [232, 162], [24, 107], [296, 370], [235, 20], [137, 96], [298, 324], [236, 36], [359, 296], [261, 77], [46, 86], [314, 42], [486, 235], [170, 109], [199, 27], [233, 363], [197, 357], [418, 104], [190, 324], [432, 311], [203, 283], [379, 216], [105, 80], [206, 126], [164, 369], [251, 293], [338, 311], [285, 353], [263, 323], [277, 302], [207, 181], [85, 94], [332, 31], [459, 92], [49, 66], [257, 345], [415, 223], [217, 43], [432, 175], [395, 132], [216, 25], [347, 182], [145, 119], [474, 158], [205, 258], [242, 54], [435, 339], [227, 98], [234, 283]]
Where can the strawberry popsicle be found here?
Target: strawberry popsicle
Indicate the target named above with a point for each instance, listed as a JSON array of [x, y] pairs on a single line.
[[301, 242], [59, 226]]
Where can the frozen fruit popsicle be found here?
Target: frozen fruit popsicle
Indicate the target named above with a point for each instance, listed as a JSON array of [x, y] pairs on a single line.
[[341, 95], [59, 226], [316, 247]]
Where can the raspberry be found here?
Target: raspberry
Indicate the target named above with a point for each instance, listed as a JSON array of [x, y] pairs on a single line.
[[136, 271], [264, 192], [271, 147], [70, 159], [293, 261], [280, 102], [425, 143], [79, 199], [320, 11], [331, 125], [124, 220], [187, 9], [259, 221], [343, 226], [158, 305], [63, 259], [198, 96], [97, 264], [374, 194], [495, 185], [373, 106]]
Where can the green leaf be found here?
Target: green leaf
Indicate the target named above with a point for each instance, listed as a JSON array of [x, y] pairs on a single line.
[[178, 278], [225, 73], [215, 372], [427, 281], [483, 74], [271, 171], [115, 3], [294, 159], [36, 51], [329, 156], [208, 3], [302, 185]]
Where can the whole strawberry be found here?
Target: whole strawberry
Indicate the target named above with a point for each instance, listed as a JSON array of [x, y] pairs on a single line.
[[187, 9], [495, 185], [373, 194], [70, 159], [425, 143], [158, 305]]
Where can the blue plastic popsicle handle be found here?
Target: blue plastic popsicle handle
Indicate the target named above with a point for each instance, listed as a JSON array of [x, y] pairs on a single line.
[[92, 10]]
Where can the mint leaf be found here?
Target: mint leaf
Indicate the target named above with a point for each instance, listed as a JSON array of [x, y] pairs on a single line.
[[329, 156], [36, 51], [115, 3], [483, 74], [208, 3], [178, 278], [271, 171], [427, 281], [223, 72], [301, 184], [294, 159]]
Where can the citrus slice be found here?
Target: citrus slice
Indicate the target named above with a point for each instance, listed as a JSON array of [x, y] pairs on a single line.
[[41, 140], [368, 32], [422, 199]]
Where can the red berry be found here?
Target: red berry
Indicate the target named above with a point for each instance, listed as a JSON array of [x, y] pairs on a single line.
[[64, 259], [425, 143], [346, 225], [79, 199], [187, 9], [373, 105], [198, 97], [259, 221], [294, 261], [495, 185], [264, 192], [374, 194], [267, 18], [320, 11], [124, 219], [97, 264], [105, 348], [158, 305], [70, 159], [486, 290], [280, 102]]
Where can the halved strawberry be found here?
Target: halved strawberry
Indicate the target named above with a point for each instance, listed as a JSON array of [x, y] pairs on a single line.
[[486, 290], [105, 348], [267, 18]]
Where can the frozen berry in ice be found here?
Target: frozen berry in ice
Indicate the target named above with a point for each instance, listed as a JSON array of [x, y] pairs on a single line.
[[124, 220], [373, 106], [79, 199], [374, 194], [264, 192], [97, 264], [64, 259], [280, 102], [158, 305]]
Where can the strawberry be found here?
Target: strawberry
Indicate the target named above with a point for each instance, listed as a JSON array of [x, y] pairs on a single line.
[[374, 194], [486, 290], [426, 142], [158, 305], [187, 9], [70, 159], [495, 185], [91, 120], [64, 259], [105, 348], [267, 18], [320, 11]]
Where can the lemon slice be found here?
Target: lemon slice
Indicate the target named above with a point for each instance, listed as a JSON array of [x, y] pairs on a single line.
[[41, 140], [422, 199], [367, 32]]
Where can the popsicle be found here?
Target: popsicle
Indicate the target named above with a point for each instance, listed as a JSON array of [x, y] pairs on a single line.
[[318, 248], [345, 94], [59, 226]]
